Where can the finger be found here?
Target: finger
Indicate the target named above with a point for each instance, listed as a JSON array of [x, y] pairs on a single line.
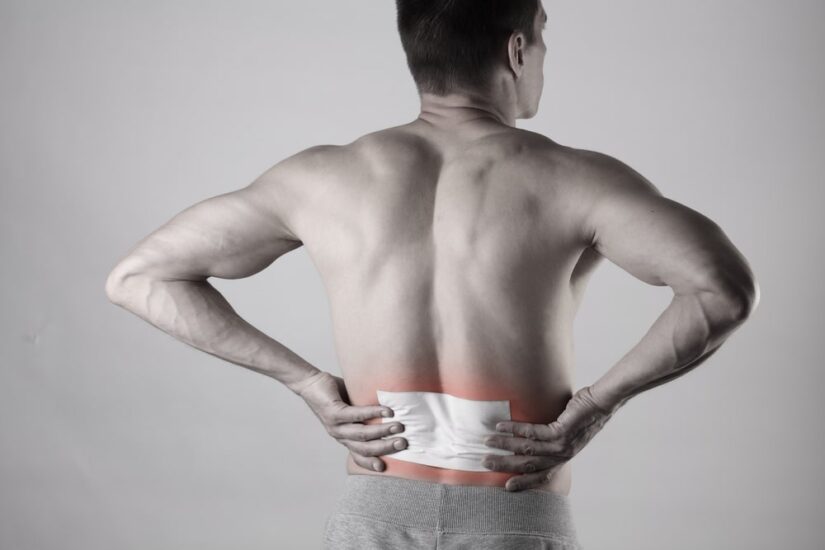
[[520, 445], [527, 430], [348, 414], [519, 464], [370, 463], [378, 447], [366, 432], [526, 481]]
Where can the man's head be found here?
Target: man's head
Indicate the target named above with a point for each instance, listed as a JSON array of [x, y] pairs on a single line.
[[482, 46]]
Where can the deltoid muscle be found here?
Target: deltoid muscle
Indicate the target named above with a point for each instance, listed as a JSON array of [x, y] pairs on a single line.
[[443, 430]]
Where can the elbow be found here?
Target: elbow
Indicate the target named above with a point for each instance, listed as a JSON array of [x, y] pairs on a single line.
[[752, 294], [115, 287], [739, 300], [119, 283]]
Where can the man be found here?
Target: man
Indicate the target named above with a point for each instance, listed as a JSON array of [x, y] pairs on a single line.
[[455, 250]]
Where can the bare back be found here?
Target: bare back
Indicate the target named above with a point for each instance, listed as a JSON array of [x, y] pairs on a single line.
[[454, 256], [453, 263]]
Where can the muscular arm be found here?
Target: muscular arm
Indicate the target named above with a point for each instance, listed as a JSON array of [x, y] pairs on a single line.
[[164, 279], [663, 242]]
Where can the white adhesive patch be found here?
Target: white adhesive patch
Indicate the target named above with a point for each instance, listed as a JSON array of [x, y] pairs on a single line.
[[443, 430]]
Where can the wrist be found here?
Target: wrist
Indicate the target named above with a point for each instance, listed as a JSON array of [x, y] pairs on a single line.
[[604, 400], [306, 379]]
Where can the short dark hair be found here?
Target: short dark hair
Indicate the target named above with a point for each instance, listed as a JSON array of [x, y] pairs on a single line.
[[452, 43]]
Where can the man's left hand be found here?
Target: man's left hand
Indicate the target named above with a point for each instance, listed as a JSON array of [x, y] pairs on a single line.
[[542, 449]]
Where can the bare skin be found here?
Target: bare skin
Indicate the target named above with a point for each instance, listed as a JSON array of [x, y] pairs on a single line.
[[455, 251]]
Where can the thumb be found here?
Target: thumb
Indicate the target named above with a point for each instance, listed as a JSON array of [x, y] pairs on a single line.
[[342, 389], [580, 409]]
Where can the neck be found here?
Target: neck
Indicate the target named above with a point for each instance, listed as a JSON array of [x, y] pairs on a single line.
[[461, 107]]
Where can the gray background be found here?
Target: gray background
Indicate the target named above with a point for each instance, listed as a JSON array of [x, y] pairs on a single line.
[[116, 115]]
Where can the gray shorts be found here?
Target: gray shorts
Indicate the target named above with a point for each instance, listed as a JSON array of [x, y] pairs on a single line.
[[385, 513]]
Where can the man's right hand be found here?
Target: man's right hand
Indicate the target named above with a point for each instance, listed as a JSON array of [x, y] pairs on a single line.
[[327, 396]]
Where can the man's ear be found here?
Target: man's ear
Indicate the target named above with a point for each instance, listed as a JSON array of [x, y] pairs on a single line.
[[515, 53]]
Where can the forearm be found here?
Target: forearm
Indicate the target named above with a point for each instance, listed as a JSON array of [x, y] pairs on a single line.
[[194, 312], [687, 333]]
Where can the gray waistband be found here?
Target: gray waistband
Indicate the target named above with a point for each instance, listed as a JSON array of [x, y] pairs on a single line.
[[457, 508]]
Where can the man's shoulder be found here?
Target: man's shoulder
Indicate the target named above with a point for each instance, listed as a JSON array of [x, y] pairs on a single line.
[[300, 169], [588, 169], [550, 153], [603, 173], [528, 148], [358, 153], [536, 156]]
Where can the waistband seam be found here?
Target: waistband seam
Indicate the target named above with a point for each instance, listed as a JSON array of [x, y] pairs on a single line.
[[442, 486], [441, 492]]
